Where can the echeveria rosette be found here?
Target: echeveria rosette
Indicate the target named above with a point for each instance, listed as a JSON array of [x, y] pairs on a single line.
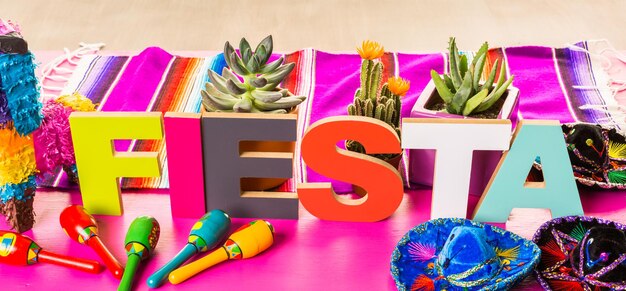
[[461, 90], [250, 83]]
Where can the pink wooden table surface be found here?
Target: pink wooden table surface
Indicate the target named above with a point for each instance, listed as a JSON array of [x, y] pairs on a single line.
[[309, 254]]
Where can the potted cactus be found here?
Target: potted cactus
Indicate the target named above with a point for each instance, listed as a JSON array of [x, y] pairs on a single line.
[[467, 91], [378, 99], [250, 84], [461, 94]]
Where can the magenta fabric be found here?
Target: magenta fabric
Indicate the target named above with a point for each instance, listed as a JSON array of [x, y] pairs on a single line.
[[334, 90], [137, 85], [416, 68], [536, 76], [336, 80]]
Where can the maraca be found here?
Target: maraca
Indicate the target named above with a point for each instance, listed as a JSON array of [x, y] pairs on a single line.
[[82, 227], [141, 239], [19, 250], [205, 234], [246, 242]]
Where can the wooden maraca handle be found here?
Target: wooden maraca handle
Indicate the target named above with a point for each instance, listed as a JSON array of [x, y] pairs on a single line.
[[187, 271], [88, 266], [205, 234], [246, 242], [129, 273], [109, 260]]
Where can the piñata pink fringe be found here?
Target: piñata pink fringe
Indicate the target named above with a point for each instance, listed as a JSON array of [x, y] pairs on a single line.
[[53, 140]]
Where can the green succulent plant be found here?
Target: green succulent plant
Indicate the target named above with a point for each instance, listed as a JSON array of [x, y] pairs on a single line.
[[250, 83], [377, 100], [461, 89]]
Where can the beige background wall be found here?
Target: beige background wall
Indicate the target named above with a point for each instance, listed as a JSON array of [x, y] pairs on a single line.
[[422, 25]]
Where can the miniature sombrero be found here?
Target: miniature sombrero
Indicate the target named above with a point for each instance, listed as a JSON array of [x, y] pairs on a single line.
[[460, 254], [597, 153], [582, 253]]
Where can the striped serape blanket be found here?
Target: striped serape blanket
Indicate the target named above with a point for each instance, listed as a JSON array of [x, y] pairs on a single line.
[[566, 84], [153, 80]]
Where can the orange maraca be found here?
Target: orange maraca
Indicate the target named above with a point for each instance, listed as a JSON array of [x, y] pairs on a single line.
[[82, 227], [246, 242]]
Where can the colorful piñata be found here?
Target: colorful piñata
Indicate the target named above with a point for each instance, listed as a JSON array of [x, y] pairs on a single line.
[[19, 117]]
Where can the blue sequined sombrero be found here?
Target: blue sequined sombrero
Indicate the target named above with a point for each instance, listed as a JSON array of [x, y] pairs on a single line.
[[460, 254]]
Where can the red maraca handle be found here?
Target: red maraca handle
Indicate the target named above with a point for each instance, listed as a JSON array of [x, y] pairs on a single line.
[[65, 261], [109, 260]]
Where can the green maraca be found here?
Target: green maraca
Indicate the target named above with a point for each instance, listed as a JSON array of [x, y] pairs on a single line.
[[141, 239]]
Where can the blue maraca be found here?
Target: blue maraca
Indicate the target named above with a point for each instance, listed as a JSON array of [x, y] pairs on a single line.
[[205, 235]]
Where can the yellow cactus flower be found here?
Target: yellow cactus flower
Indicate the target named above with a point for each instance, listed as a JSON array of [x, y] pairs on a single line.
[[77, 102], [398, 85], [370, 50]]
